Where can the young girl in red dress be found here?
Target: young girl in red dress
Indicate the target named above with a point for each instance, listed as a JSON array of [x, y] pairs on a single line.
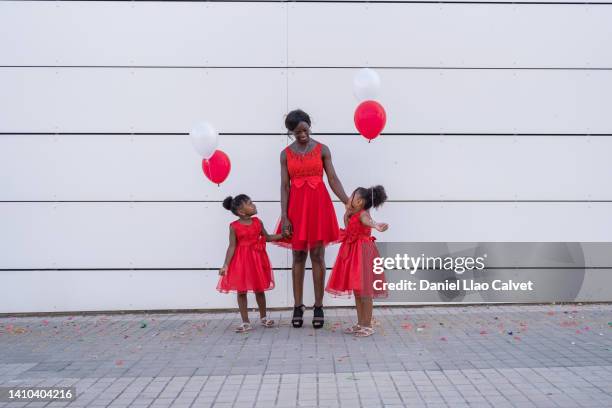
[[353, 270], [247, 266]]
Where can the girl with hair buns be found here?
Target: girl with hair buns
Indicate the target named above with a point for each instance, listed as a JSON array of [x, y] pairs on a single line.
[[353, 271], [247, 266]]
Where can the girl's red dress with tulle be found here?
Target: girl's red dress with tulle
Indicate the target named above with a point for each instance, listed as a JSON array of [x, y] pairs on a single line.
[[250, 269], [353, 271], [310, 207]]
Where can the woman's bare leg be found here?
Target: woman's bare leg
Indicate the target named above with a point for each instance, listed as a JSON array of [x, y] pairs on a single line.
[[297, 273], [317, 257]]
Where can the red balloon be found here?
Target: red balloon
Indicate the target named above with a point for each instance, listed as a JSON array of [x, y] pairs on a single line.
[[217, 167], [370, 119]]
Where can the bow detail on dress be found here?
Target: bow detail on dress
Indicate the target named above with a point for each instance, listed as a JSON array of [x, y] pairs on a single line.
[[312, 181], [353, 236]]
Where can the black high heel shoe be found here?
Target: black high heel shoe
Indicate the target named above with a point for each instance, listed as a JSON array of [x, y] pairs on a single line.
[[298, 316], [318, 319]]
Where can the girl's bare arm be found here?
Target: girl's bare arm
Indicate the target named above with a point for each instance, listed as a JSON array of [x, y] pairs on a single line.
[[368, 221], [229, 254], [332, 178], [273, 237]]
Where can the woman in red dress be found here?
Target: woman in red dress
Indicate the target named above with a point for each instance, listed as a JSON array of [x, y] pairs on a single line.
[[307, 210]]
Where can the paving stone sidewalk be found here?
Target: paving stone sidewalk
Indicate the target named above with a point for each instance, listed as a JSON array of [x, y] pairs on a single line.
[[473, 356]]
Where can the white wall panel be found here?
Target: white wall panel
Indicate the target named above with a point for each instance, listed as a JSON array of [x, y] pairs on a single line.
[[165, 167], [121, 235], [78, 290], [141, 100], [142, 167], [104, 167], [448, 35], [462, 101], [194, 235], [47, 33], [142, 33], [245, 100]]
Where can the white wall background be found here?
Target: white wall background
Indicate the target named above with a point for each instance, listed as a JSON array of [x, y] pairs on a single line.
[[498, 129]]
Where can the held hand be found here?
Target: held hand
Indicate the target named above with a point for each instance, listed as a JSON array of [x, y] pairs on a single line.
[[223, 270], [381, 227], [287, 228]]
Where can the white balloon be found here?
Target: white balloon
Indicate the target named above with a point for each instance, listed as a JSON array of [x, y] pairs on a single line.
[[366, 84], [205, 139]]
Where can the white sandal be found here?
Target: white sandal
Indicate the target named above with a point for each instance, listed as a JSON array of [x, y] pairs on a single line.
[[265, 322], [365, 332], [243, 328], [352, 330]]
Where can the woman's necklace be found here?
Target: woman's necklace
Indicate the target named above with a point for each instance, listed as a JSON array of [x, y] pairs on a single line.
[[303, 151]]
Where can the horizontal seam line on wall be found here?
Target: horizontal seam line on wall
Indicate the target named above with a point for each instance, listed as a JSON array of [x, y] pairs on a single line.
[[352, 1], [280, 268], [313, 67], [278, 201], [313, 134]]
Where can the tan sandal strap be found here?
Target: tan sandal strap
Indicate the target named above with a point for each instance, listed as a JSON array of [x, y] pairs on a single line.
[[365, 332]]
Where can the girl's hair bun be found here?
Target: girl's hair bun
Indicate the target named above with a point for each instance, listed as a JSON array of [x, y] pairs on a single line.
[[227, 203], [379, 195], [234, 203]]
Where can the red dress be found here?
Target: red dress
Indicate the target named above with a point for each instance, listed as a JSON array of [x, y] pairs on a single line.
[[309, 207], [249, 270], [353, 271]]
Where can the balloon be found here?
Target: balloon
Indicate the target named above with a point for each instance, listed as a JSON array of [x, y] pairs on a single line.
[[370, 119], [366, 84], [217, 168], [204, 138]]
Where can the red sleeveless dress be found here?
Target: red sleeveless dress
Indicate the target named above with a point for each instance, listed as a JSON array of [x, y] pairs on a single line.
[[250, 269], [353, 270], [310, 207]]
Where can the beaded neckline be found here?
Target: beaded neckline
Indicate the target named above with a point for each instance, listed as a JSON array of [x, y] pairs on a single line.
[[311, 151]]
